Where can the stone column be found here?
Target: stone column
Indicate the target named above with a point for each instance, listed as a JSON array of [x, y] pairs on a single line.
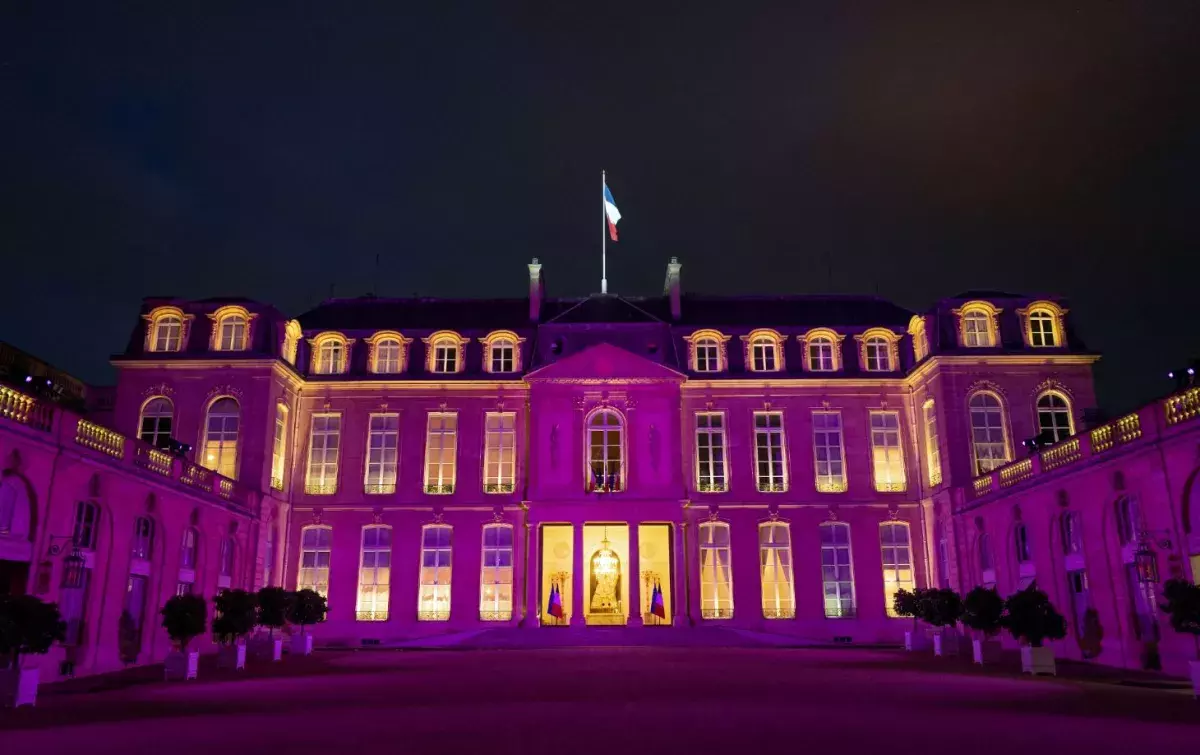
[[635, 578], [532, 575], [578, 559]]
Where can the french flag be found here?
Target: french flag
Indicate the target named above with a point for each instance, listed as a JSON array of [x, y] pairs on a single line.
[[610, 209]]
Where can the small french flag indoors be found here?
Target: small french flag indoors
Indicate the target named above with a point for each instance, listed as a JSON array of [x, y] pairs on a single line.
[[610, 209]]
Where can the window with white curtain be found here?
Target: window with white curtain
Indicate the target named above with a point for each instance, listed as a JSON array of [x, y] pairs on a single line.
[[933, 447], [383, 447], [499, 452], [441, 445], [770, 468], [168, 333], [374, 574], [315, 554], [606, 438], [232, 333], [496, 573], [775, 560], [387, 356], [897, 561], [324, 444], [828, 452], [710, 452], [279, 447], [977, 329], [331, 357], [220, 448], [887, 455], [987, 432], [837, 574], [716, 579], [434, 601]]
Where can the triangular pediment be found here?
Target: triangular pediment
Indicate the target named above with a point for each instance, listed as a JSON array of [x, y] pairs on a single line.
[[604, 362]]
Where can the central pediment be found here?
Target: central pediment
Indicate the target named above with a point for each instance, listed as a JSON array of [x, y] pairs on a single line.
[[605, 362]]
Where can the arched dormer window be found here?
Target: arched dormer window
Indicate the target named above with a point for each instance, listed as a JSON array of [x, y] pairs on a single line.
[[977, 325], [219, 446], [1043, 324], [822, 350], [989, 434], [920, 339], [154, 425], [501, 352], [606, 451], [231, 329], [166, 329], [1054, 416], [330, 353], [764, 351], [291, 338], [387, 352], [707, 351], [444, 352], [878, 350]]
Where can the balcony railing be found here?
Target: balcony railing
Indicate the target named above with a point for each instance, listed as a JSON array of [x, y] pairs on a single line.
[[767, 486], [276, 483], [779, 613], [194, 474], [99, 438], [379, 488], [154, 459], [1183, 407], [832, 485], [495, 615], [498, 487], [433, 488], [320, 488], [371, 615], [890, 487], [1061, 455], [18, 407], [707, 486], [832, 612], [433, 615], [716, 613]]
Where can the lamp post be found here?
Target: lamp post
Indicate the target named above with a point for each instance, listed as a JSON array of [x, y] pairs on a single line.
[[73, 565], [1145, 558]]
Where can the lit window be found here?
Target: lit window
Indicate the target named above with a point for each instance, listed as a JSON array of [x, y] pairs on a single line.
[[387, 356], [771, 473], [710, 452], [920, 340], [279, 447], [445, 356], [828, 452], [155, 425], [441, 442], [1043, 328], [775, 557], [1072, 533], [231, 332], [291, 338], [330, 358], [324, 442], [383, 443], [499, 454], [933, 448], [708, 355], [168, 333], [374, 574], [502, 356], [14, 508], [878, 354], [1079, 595], [72, 601], [496, 573], [225, 563], [977, 329], [887, 455], [836, 570], [987, 432], [220, 447], [187, 549], [434, 601], [716, 582], [315, 553], [1128, 520], [820, 354], [143, 539], [1054, 416], [897, 561], [764, 354], [605, 440]]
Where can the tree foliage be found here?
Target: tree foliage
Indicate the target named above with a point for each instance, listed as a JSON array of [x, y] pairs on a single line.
[[237, 611], [273, 606], [1029, 616], [940, 607], [184, 618], [28, 625], [1183, 605], [307, 607], [983, 609]]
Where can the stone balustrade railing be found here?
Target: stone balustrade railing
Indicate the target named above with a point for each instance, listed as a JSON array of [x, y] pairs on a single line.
[[69, 429]]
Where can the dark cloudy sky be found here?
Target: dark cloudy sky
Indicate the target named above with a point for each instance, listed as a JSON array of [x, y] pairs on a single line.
[[910, 149]]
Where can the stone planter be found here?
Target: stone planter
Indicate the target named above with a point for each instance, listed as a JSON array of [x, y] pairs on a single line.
[[1195, 666], [232, 656], [267, 648], [181, 666], [915, 640], [1037, 660], [18, 686], [302, 644], [986, 651]]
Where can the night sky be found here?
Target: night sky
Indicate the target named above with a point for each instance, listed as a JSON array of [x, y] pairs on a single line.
[[915, 150]]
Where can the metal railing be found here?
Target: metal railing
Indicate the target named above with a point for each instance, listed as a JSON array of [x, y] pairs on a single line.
[[779, 613], [716, 613], [371, 615], [495, 615], [433, 615], [320, 488], [379, 488]]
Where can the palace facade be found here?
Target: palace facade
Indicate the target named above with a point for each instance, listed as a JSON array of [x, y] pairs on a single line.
[[772, 464]]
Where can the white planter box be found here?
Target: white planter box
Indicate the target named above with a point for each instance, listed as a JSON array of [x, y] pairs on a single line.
[[18, 687], [985, 652], [267, 649], [181, 666], [232, 656], [302, 644], [1037, 660], [1195, 666], [915, 640], [946, 643]]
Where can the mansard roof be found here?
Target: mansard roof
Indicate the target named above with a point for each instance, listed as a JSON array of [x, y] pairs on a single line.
[[373, 313], [792, 311]]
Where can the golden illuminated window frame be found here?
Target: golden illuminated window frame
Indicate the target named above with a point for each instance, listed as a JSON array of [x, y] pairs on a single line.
[[775, 337], [835, 339], [1005, 427], [893, 348], [920, 338], [492, 338], [623, 447], [378, 338], [1058, 327], [316, 342], [155, 316], [1061, 395], [439, 338], [291, 339], [722, 349], [982, 307], [220, 316]]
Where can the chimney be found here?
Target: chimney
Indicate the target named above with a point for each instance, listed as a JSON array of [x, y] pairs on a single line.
[[671, 286], [536, 290]]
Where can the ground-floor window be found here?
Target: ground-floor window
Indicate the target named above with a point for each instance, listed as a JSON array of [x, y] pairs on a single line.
[[434, 601], [496, 573], [716, 579], [837, 574], [72, 603], [374, 574], [897, 561], [775, 562], [133, 613]]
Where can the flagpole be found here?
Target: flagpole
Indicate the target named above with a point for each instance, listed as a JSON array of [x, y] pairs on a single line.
[[603, 235]]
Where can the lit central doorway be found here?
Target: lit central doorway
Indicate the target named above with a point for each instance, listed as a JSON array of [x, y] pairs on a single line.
[[606, 574]]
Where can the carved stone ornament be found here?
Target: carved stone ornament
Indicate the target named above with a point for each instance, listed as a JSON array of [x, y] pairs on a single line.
[[826, 403], [158, 389], [497, 514], [893, 512], [377, 515], [833, 512], [1052, 383], [988, 385], [316, 516], [439, 515], [713, 512], [225, 390], [773, 511]]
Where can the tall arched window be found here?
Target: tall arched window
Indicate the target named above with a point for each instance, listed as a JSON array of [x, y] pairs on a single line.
[[187, 550], [87, 525], [1021, 544], [168, 333], [434, 597], [764, 354], [315, 554], [1072, 533], [977, 328], [374, 574], [775, 560], [708, 354], [987, 432], [155, 424], [878, 354], [445, 353], [987, 562], [220, 446], [821, 354], [1129, 522], [716, 578], [143, 539], [837, 576], [897, 561], [14, 514], [605, 451], [496, 573], [1054, 416]]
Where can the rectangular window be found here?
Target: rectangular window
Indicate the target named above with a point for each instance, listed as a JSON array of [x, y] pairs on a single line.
[[72, 604], [716, 581], [323, 444], [828, 452], [315, 553], [897, 561], [374, 574], [383, 444], [441, 442], [836, 575], [775, 560], [886, 454], [133, 615], [710, 452], [933, 449], [943, 556], [496, 573], [499, 454], [434, 602], [503, 356], [278, 447], [768, 452], [1080, 597]]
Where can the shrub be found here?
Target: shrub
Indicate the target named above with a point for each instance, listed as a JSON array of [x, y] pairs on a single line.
[[28, 625], [941, 607], [906, 603], [1029, 616], [307, 607], [236, 614], [273, 606], [184, 618], [983, 609]]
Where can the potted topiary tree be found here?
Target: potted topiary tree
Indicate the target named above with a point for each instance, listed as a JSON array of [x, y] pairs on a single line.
[[307, 607], [1032, 619], [273, 605], [910, 604], [982, 611], [1183, 606], [184, 618], [236, 612], [942, 609], [28, 626]]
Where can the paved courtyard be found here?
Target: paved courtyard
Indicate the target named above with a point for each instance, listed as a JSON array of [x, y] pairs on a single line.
[[604, 700]]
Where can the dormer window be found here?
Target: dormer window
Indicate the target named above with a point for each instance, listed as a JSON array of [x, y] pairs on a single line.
[[878, 358], [231, 329], [501, 351], [1043, 324], [387, 352], [445, 352], [707, 350], [822, 348], [920, 340], [166, 329], [291, 337], [445, 357], [763, 351], [878, 350], [977, 325], [329, 354]]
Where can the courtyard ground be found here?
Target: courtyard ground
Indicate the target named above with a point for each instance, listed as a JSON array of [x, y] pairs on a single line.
[[603, 700]]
